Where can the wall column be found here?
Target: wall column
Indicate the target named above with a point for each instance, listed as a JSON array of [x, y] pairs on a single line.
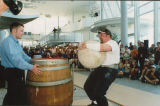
[[124, 23], [156, 23]]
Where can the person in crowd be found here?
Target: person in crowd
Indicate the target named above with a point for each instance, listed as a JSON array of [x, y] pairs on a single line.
[[37, 53], [26, 50], [157, 53], [151, 62], [152, 51], [53, 51], [47, 53], [157, 73], [133, 74], [141, 56], [126, 54], [121, 69], [15, 61], [145, 70], [150, 76], [126, 68], [134, 53], [158, 66], [31, 52], [102, 77], [139, 43], [130, 46], [75, 57], [54, 33], [121, 51]]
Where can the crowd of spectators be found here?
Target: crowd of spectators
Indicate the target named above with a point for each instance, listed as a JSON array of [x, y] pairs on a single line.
[[136, 62], [68, 52], [140, 62]]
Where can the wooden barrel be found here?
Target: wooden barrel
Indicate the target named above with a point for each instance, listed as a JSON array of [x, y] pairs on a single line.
[[53, 87]]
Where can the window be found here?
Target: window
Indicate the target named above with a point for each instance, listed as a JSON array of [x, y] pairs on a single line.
[[146, 28], [158, 21], [146, 8], [142, 2]]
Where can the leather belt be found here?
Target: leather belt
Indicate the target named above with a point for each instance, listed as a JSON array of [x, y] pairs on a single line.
[[114, 66]]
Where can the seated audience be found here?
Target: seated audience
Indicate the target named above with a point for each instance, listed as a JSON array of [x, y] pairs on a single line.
[[133, 70], [126, 54], [126, 68], [150, 76], [134, 53], [145, 70], [120, 69]]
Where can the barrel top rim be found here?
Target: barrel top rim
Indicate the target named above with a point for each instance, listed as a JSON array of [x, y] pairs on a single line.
[[49, 59]]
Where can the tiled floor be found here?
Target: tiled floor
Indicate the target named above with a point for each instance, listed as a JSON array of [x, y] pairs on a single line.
[[79, 97], [155, 89], [120, 91], [123, 91]]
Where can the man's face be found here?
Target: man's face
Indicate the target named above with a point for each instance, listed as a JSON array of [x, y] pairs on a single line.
[[146, 62], [153, 69], [134, 47], [142, 44], [19, 32], [121, 46], [126, 48], [102, 36], [153, 46]]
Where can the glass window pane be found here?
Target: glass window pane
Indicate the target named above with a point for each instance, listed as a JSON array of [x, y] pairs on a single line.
[[107, 11], [131, 13], [159, 22], [146, 8], [114, 8], [129, 4], [146, 28], [142, 2]]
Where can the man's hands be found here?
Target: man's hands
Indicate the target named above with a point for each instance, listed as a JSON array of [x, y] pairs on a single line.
[[35, 69], [82, 45]]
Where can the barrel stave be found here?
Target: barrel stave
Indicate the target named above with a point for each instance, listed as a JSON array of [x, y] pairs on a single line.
[[52, 95]]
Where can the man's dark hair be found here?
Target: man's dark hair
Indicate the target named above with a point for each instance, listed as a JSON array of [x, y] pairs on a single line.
[[126, 46], [108, 32], [158, 43], [14, 25]]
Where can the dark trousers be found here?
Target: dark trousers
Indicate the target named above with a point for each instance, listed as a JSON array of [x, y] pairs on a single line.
[[98, 83], [141, 62], [16, 91], [2, 79]]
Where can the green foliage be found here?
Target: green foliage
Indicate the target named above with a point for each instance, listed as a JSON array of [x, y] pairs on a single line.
[[115, 37]]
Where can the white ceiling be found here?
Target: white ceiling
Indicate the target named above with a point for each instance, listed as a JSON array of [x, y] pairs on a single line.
[[56, 8]]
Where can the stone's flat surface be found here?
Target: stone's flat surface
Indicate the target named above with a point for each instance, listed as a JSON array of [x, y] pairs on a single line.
[[90, 58]]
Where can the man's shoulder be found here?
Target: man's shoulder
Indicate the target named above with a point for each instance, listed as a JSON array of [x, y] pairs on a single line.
[[7, 41], [112, 42]]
